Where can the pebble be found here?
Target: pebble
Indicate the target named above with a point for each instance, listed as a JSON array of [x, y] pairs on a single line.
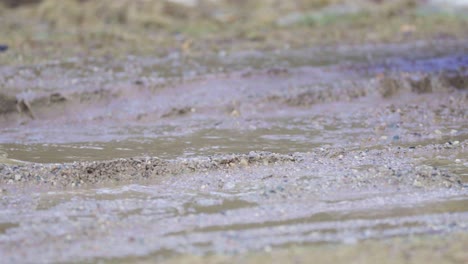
[[244, 162], [417, 183], [17, 177]]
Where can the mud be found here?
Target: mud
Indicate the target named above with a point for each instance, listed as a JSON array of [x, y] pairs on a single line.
[[144, 159], [423, 249]]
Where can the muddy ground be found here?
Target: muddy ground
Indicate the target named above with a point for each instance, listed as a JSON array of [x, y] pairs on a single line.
[[336, 153], [112, 161]]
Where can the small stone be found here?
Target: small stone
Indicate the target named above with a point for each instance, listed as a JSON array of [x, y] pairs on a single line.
[[383, 138], [453, 131], [417, 183], [244, 162], [438, 132], [235, 113], [456, 142], [57, 98], [457, 161], [17, 177]]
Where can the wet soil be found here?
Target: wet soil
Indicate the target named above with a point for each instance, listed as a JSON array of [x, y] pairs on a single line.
[[415, 249], [225, 157]]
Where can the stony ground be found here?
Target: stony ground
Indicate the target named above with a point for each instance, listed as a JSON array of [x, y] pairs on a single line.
[[252, 153]]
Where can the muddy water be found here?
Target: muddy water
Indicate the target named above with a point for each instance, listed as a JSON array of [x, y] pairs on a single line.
[[281, 136], [114, 167]]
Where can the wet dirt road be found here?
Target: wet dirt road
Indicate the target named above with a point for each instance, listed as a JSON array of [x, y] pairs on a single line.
[[148, 159]]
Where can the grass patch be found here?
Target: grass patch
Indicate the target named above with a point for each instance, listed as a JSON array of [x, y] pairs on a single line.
[[57, 28]]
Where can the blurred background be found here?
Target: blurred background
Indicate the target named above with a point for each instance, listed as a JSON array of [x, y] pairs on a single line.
[[54, 28]]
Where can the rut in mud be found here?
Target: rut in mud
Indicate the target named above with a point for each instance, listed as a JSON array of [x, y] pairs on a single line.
[[111, 159]]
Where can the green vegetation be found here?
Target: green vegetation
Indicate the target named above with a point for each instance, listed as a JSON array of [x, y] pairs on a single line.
[[57, 28]]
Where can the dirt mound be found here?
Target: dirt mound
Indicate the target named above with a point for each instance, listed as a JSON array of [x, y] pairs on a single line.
[[137, 169]]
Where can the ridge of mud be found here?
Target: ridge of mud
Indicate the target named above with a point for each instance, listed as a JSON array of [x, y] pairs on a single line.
[[137, 168], [355, 167], [384, 85], [97, 103], [445, 74]]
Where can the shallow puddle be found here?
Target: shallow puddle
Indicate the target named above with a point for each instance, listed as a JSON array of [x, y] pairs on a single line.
[[279, 136]]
